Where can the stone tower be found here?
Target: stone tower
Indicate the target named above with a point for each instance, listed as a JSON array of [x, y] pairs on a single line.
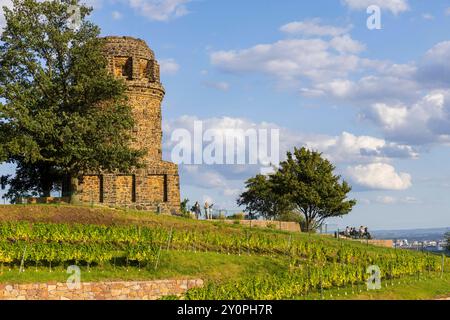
[[157, 184]]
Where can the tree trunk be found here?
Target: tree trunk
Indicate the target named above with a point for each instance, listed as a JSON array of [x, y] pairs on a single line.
[[46, 180], [46, 193], [307, 223], [307, 220], [74, 196], [46, 187]]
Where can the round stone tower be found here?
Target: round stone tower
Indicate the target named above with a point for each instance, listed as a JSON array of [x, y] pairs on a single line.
[[156, 186], [132, 60]]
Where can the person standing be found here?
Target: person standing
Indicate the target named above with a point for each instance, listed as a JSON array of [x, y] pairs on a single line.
[[197, 210], [206, 207], [361, 231], [210, 211]]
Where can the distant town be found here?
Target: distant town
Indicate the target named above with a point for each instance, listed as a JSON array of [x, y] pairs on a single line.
[[417, 239], [428, 245]]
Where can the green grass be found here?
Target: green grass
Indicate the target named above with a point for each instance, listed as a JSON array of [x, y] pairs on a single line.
[[209, 266], [173, 265], [427, 287]]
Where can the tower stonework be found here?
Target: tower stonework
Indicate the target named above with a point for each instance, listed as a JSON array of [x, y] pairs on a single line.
[[156, 185]]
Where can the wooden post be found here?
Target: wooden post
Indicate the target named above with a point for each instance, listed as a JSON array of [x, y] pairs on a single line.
[[22, 262]]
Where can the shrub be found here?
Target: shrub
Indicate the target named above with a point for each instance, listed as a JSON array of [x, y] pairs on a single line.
[[184, 206], [188, 215], [219, 216], [291, 217], [237, 216]]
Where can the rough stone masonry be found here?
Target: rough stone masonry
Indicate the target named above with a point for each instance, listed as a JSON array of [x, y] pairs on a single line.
[[156, 186], [103, 290]]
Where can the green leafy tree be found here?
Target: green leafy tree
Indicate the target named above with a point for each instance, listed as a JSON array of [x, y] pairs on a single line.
[[308, 180], [305, 184], [61, 113], [260, 197], [184, 206]]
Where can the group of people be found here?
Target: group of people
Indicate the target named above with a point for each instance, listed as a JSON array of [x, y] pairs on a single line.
[[361, 233], [198, 212]]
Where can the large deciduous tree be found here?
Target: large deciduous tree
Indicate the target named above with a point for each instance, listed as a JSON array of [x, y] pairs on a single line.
[[61, 113], [259, 197], [304, 183]]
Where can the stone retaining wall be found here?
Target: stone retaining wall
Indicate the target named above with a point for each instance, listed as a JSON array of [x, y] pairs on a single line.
[[136, 290], [382, 243], [278, 225]]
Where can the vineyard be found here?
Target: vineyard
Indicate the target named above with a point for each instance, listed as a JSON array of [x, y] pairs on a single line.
[[312, 262]]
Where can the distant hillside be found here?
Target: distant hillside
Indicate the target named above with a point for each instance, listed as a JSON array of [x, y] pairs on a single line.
[[415, 234]]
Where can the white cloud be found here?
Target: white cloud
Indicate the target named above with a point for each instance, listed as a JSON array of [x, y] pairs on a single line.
[[387, 82], [410, 200], [434, 68], [391, 117], [287, 60], [395, 6], [323, 66], [343, 148], [230, 192], [116, 15], [205, 178], [219, 85], [3, 3], [379, 176], [351, 148], [364, 160], [394, 200], [390, 82], [447, 11], [169, 66], [386, 200], [219, 126], [93, 3], [427, 16], [410, 102], [426, 121], [160, 10], [345, 44], [313, 27]]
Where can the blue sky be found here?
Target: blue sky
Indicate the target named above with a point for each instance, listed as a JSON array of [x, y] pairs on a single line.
[[375, 102]]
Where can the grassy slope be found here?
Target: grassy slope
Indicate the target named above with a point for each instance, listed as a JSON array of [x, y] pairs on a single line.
[[431, 286], [177, 264], [173, 265]]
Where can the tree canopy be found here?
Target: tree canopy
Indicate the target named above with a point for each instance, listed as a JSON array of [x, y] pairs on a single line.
[[61, 113], [305, 184], [260, 198]]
